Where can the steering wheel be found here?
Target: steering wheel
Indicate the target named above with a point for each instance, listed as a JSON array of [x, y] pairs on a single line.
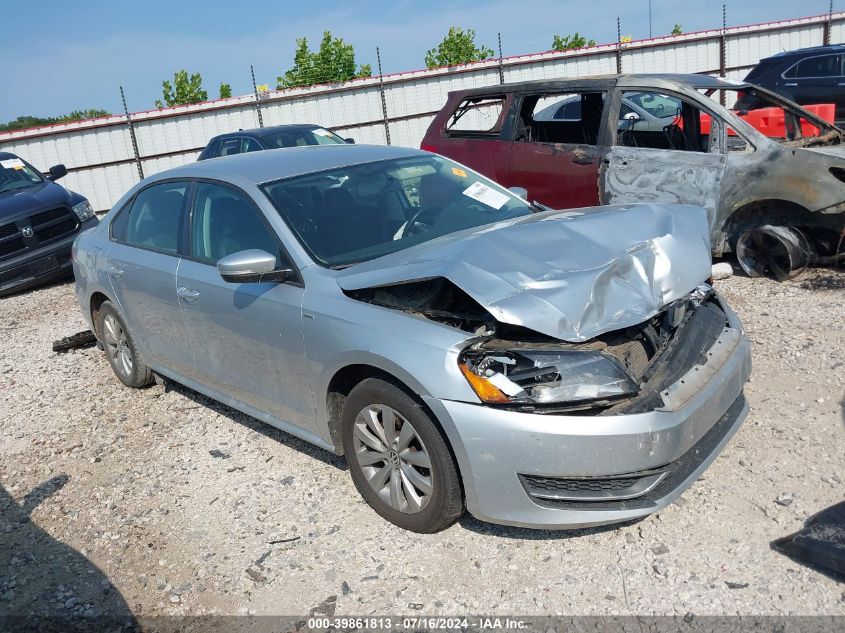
[[415, 220]]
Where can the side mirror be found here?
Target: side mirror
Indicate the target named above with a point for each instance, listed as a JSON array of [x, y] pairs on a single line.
[[632, 116], [251, 266], [56, 172], [519, 192], [350, 140]]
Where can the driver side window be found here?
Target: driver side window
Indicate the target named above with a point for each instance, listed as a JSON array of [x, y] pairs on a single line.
[[669, 122], [225, 221]]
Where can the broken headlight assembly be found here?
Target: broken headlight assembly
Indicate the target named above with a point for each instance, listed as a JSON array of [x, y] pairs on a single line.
[[545, 377]]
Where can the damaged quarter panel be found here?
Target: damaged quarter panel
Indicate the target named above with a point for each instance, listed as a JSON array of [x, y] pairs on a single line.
[[341, 332]]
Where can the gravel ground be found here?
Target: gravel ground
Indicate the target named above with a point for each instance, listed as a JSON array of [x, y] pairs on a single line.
[[163, 502]]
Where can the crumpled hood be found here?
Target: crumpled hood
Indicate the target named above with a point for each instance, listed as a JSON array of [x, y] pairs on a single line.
[[571, 275]]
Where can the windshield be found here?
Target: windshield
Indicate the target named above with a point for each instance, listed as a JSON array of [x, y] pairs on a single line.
[[298, 137], [353, 214], [16, 174], [657, 105]]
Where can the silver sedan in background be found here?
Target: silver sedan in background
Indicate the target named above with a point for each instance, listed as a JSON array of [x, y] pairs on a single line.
[[463, 348]]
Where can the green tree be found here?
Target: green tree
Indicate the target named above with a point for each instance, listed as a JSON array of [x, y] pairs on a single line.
[[458, 47], [334, 62], [225, 91], [571, 42], [677, 30], [23, 122], [183, 90]]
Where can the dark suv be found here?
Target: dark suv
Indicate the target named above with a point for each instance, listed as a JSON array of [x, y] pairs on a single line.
[[805, 76], [38, 223], [295, 135]]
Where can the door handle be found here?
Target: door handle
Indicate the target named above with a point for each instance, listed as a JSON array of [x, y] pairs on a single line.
[[115, 272], [790, 84], [187, 294]]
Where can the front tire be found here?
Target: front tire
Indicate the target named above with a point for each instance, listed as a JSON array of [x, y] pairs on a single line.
[[398, 459], [120, 348]]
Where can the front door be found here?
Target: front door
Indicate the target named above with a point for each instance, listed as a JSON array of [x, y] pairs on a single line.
[[142, 265], [555, 154], [678, 164], [247, 338], [818, 79]]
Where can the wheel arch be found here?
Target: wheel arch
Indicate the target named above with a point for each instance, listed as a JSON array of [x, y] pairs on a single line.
[[756, 213], [347, 377], [96, 301]]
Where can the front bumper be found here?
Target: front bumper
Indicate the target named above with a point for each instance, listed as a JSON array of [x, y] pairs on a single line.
[[40, 265], [499, 451]]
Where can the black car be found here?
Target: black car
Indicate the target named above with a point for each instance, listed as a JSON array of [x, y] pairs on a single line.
[[805, 76], [38, 223], [270, 138]]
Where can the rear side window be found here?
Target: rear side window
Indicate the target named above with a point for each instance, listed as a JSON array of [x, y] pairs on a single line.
[[230, 146], [250, 145], [561, 118], [821, 66], [224, 221], [153, 220], [477, 115]]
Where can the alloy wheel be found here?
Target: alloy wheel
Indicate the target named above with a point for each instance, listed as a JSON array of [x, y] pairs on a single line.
[[117, 345], [393, 458]]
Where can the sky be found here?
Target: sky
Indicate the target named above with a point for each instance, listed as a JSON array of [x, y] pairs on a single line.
[[75, 55]]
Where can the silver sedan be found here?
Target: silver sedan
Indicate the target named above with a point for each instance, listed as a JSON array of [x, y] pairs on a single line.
[[463, 348]]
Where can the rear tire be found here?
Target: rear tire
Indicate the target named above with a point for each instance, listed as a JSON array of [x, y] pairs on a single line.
[[398, 459], [120, 348]]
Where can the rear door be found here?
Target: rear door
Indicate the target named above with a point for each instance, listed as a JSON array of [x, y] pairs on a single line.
[[142, 264], [557, 159], [682, 163], [818, 79]]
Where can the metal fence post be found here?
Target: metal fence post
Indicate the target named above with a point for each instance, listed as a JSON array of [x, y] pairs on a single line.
[[132, 136], [255, 92], [618, 46], [383, 100], [501, 70], [826, 28], [723, 51]]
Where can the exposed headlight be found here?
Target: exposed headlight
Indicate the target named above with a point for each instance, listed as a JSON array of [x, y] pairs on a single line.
[[84, 211], [544, 377]]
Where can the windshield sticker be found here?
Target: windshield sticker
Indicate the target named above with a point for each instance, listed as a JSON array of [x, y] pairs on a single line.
[[486, 195], [459, 172], [12, 163], [321, 132]]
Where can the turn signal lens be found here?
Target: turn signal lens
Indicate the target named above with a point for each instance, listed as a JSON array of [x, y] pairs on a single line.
[[482, 387]]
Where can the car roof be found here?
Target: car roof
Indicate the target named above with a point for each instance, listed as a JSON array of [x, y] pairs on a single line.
[[803, 52], [7, 155], [644, 80], [274, 164], [261, 132]]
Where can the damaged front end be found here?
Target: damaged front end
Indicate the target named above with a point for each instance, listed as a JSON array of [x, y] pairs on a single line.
[[515, 368], [590, 311]]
